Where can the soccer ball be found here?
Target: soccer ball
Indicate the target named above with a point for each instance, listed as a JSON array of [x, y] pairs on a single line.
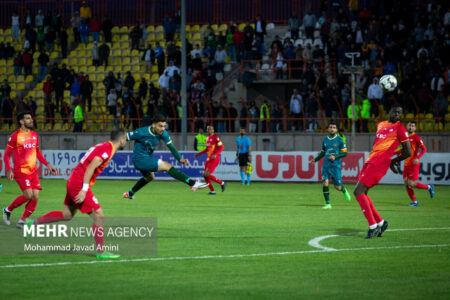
[[388, 83]]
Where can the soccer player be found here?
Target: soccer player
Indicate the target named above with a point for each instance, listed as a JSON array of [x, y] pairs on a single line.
[[24, 145], [333, 149], [412, 165], [79, 195], [214, 147], [243, 153], [390, 134], [146, 139]]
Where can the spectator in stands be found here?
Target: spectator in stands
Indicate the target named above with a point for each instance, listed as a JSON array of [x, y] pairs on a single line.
[[87, 89], [18, 64], [32, 106], [160, 58], [119, 82], [103, 52], [31, 37], [442, 105], [231, 47], [50, 38], [210, 81], [279, 65], [95, 55], [175, 82], [143, 89], [7, 111], [47, 88], [63, 37], [171, 50], [9, 51], [264, 116], [75, 91], [136, 112], [195, 51], [295, 109], [27, 60], [39, 19], [83, 29], [78, 116], [112, 102], [197, 89], [153, 91], [293, 25], [171, 69], [375, 94], [260, 28], [220, 57], [107, 28], [76, 21], [43, 60], [5, 91], [309, 22], [437, 84], [170, 28], [311, 108], [164, 83], [135, 36], [307, 53], [15, 26], [41, 39], [129, 81], [85, 12], [148, 58], [59, 86], [95, 25], [56, 21], [254, 116]]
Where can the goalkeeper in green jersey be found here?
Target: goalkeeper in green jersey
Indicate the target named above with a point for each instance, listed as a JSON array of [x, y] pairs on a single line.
[[145, 141], [333, 149]]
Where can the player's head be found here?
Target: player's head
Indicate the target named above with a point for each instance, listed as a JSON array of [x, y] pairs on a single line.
[[119, 135], [200, 130], [411, 127], [210, 129], [395, 113], [25, 120], [159, 124], [242, 131], [332, 128]]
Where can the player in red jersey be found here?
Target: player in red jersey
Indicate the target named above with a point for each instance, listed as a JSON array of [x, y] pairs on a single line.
[[214, 147], [390, 134], [79, 195], [412, 165], [24, 146]]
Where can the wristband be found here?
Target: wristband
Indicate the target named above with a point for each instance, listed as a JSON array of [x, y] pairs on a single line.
[[85, 187]]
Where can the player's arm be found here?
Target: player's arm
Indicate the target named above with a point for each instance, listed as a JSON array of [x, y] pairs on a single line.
[[95, 163], [219, 148], [176, 154], [7, 161], [423, 150], [42, 159], [200, 153], [406, 152], [341, 154], [318, 157]]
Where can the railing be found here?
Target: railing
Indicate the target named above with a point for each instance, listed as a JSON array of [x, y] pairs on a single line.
[[153, 11]]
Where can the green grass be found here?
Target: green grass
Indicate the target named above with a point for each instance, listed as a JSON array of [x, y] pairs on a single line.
[[260, 218]]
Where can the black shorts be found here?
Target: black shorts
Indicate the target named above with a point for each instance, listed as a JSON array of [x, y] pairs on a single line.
[[243, 159]]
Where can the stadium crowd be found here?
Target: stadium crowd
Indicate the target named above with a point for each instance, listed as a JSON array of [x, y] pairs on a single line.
[[412, 46]]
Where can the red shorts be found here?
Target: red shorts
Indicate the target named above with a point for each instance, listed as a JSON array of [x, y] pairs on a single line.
[[211, 165], [89, 204], [411, 172], [28, 181], [371, 174]]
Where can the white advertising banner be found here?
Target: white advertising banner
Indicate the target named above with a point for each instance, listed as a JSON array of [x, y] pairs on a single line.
[[267, 166]]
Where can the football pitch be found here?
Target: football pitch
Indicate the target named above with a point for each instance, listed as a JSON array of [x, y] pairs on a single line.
[[265, 240]]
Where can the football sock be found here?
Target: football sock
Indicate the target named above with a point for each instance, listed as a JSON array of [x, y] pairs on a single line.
[[29, 209], [420, 185], [178, 175], [17, 202], [243, 176], [380, 223], [53, 216], [411, 194], [343, 190], [375, 213], [98, 238], [215, 179], [326, 194], [208, 181], [366, 209], [139, 185], [248, 178]]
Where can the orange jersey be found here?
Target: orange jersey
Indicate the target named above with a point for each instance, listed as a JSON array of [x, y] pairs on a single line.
[[105, 151], [213, 146], [24, 147], [416, 144], [389, 137]]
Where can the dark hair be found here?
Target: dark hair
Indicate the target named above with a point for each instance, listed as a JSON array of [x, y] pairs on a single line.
[[396, 105], [159, 118], [117, 134], [333, 123], [21, 116], [412, 122]]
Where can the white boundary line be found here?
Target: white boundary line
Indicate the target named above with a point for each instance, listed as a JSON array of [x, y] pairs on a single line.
[[315, 242], [322, 250]]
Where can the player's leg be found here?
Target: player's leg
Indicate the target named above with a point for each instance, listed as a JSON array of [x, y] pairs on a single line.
[[338, 185], [409, 189], [414, 176], [242, 171], [25, 185], [206, 175], [211, 168], [29, 208], [147, 177], [164, 166], [243, 157], [325, 188], [66, 214], [364, 201]]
